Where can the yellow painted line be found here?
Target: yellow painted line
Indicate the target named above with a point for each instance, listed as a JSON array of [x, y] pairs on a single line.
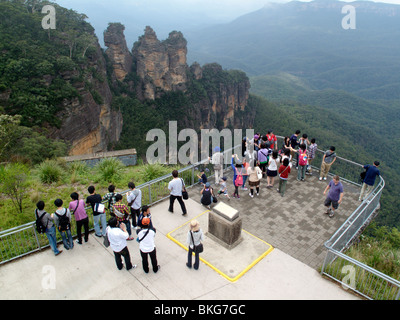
[[216, 269]]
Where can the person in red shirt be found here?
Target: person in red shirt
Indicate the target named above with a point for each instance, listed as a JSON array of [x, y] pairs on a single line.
[[272, 140], [284, 171]]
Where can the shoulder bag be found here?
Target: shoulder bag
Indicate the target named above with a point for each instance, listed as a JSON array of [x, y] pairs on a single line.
[[199, 248], [185, 194]]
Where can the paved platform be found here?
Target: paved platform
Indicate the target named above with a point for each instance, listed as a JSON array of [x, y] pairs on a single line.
[[296, 228], [296, 223]]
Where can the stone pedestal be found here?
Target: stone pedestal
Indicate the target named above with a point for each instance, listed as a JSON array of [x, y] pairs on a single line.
[[225, 225]]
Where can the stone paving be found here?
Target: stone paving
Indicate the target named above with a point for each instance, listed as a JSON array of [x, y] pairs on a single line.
[[296, 223]]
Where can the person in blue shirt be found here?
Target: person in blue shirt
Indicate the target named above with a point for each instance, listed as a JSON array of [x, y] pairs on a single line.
[[372, 172]]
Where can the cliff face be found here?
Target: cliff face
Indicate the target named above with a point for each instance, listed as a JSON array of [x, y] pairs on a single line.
[[89, 123], [161, 67], [117, 51]]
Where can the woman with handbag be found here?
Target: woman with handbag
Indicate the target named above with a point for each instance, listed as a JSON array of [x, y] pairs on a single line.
[[255, 175], [194, 238]]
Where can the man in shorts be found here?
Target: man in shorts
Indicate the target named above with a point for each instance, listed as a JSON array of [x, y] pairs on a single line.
[[335, 196]]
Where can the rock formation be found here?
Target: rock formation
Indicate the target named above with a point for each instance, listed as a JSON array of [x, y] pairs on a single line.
[[89, 123], [160, 65], [117, 51]]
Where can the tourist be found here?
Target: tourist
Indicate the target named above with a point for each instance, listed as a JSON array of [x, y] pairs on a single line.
[[194, 239], [223, 188], [284, 171], [245, 175], [202, 177], [99, 214], [117, 235], [175, 186], [145, 214], [255, 175], [122, 214], [218, 161], [311, 152], [47, 220], [272, 141], [327, 161], [62, 220], [110, 197], [134, 198], [237, 175], [272, 170], [77, 208], [334, 197], [369, 180], [207, 195], [294, 144], [302, 164], [262, 157], [147, 246]]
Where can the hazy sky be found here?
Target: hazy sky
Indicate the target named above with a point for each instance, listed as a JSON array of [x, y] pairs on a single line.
[[163, 16]]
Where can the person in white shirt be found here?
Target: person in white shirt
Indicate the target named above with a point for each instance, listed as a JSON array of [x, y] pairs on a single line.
[[175, 186], [218, 161], [117, 235], [147, 246]]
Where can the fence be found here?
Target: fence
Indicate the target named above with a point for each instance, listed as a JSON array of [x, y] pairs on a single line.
[[23, 240]]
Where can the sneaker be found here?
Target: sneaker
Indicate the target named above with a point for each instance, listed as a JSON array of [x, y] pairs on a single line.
[[320, 179], [328, 211], [331, 215], [251, 195], [258, 194], [324, 178]]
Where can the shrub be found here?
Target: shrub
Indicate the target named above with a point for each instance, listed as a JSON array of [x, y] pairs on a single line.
[[109, 170], [13, 183], [50, 171], [154, 171]]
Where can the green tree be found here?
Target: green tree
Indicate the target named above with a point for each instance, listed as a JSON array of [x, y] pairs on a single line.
[[14, 183]]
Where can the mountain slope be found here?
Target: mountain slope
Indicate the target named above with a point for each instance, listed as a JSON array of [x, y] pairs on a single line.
[[306, 39]]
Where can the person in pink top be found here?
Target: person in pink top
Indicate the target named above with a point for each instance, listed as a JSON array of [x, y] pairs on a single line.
[[77, 208]]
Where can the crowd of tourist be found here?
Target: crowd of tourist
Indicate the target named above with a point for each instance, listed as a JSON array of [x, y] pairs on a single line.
[[261, 160]]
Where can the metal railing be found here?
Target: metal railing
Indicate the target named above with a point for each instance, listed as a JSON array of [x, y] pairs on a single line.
[[23, 240]]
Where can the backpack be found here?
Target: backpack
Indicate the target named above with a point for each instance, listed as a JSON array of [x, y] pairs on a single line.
[[63, 222], [239, 179], [303, 157], [40, 227]]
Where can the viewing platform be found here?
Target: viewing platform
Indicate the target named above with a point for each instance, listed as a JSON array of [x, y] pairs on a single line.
[[288, 248], [295, 226]]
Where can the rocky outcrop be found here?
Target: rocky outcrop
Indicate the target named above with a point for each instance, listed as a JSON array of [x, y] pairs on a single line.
[[161, 65], [117, 51], [227, 97], [89, 124]]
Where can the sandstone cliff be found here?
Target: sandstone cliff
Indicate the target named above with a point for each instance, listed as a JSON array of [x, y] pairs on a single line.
[[160, 67], [89, 123], [117, 51], [160, 64]]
